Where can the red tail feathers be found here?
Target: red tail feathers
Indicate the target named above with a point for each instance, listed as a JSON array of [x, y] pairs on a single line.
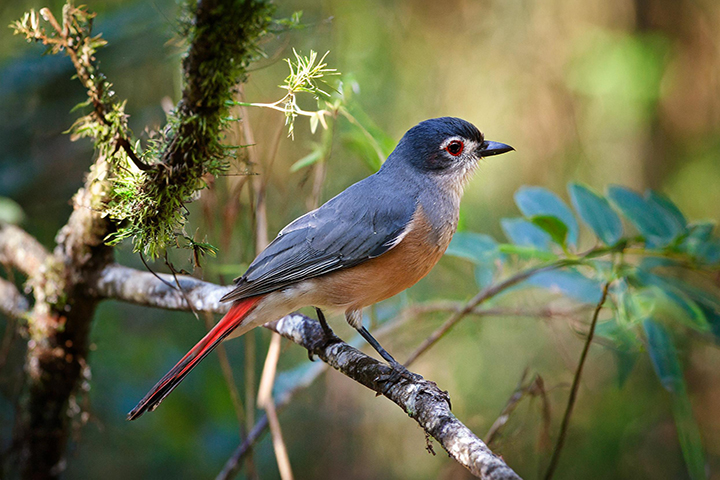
[[172, 379]]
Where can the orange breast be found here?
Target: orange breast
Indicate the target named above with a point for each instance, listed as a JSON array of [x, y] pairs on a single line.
[[384, 276]]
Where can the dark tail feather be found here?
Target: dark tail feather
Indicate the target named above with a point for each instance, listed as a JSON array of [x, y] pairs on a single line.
[[172, 379]]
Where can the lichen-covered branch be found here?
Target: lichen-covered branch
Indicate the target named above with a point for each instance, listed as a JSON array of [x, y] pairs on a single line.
[[158, 290], [58, 328], [421, 399], [20, 250], [12, 303]]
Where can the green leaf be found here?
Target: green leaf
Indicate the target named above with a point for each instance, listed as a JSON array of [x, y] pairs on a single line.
[[678, 306], [485, 274], [307, 160], [596, 212], [663, 355], [476, 247], [667, 367], [701, 230], [624, 344], [655, 223], [570, 283], [553, 226], [539, 201], [480, 249], [710, 251], [669, 302], [523, 232], [10, 211], [674, 218], [365, 137], [359, 144]]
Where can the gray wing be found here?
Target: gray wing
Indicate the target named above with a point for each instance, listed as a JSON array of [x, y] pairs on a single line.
[[359, 224]]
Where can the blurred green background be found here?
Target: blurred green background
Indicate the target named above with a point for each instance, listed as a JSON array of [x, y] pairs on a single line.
[[617, 91]]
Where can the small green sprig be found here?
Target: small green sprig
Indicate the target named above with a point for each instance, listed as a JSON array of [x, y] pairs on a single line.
[[106, 123], [307, 73]]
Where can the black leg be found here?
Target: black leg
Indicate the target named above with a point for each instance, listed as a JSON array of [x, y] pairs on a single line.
[[328, 334], [378, 348], [323, 323], [398, 369]]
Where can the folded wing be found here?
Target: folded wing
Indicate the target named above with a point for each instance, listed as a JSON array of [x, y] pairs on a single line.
[[349, 229]]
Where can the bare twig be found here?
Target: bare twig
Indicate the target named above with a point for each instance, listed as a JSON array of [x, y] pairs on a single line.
[[265, 401], [575, 385], [497, 288], [481, 297], [534, 388], [232, 466]]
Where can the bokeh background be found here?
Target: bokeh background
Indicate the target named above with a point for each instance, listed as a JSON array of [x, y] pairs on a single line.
[[613, 91]]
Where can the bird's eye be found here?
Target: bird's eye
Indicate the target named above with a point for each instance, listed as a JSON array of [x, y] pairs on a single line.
[[455, 148]]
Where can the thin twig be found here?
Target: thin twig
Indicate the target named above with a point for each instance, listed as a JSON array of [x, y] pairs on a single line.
[[265, 401], [481, 297], [520, 391], [100, 109], [422, 399], [575, 386], [232, 466], [144, 262]]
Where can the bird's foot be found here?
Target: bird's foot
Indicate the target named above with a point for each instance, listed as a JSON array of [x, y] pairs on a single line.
[[328, 338], [323, 344], [397, 374]]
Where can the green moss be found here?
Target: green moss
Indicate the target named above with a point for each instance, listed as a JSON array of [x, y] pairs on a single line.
[[223, 39]]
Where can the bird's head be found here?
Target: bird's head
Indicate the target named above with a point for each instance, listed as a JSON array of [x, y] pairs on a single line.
[[446, 146]]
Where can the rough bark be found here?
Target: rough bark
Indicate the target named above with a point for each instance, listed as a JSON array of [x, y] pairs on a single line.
[[58, 327]]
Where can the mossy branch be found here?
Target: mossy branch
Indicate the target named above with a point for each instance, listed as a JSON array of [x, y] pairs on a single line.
[[149, 190], [223, 36]]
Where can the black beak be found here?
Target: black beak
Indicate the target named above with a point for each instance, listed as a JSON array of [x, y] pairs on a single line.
[[488, 149]]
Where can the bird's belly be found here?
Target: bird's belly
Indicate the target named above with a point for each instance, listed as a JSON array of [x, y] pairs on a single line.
[[382, 277]]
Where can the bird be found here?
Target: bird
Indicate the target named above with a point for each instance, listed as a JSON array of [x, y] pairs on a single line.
[[373, 240]]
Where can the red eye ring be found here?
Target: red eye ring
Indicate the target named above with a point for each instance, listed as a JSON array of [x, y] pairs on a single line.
[[455, 148]]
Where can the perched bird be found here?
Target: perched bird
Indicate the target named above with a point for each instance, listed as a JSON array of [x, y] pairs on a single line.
[[370, 242]]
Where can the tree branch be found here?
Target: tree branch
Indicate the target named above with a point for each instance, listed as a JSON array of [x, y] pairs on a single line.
[[421, 399], [12, 303], [21, 250], [158, 290]]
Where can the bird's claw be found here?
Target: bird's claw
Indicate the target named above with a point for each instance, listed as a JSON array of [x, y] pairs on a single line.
[[326, 340], [397, 373]]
